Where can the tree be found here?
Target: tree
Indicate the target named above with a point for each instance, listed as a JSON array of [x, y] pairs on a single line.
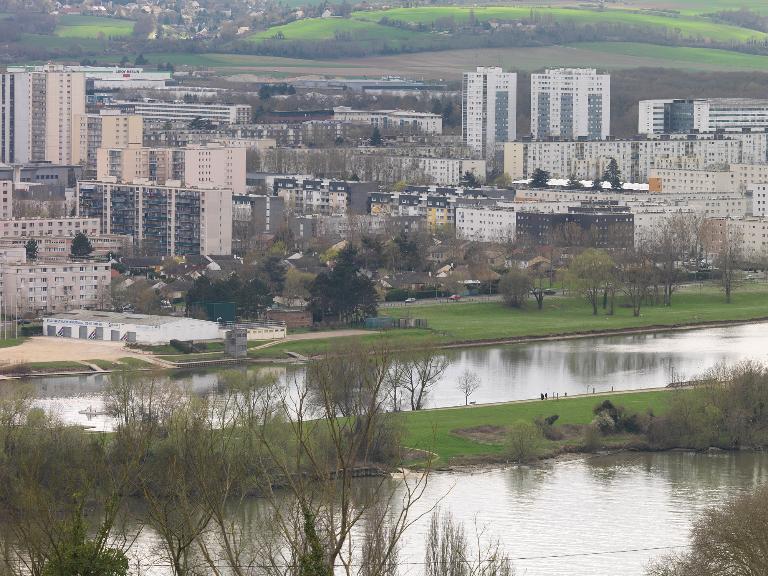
[[612, 174], [538, 273], [344, 293], [514, 287], [539, 178], [725, 539], [417, 375], [81, 246], [469, 179], [376, 137], [469, 382], [31, 247], [523, 441], [589, 272], [635, 278], [574, 183], [729, 258]]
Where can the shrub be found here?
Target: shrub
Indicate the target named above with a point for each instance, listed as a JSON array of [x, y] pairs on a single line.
[[396, 295], [546, 425], [592, 438], [183, 346], [524, 442]]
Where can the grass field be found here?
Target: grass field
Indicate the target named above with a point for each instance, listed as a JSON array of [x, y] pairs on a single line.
[[73, 26], [468, 322], [329, 28], [8, 342], [686, 25], [433, 430]]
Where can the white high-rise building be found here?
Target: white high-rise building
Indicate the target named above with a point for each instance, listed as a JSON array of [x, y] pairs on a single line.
[[571, 104], [488, 109], [37, 110], [702, 115]]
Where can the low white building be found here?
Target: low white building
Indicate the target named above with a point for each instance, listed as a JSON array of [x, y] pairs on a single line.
[[422, 121], [128, 327]]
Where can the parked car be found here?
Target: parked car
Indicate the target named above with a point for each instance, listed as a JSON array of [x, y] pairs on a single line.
[[455, 297], [409, 300]]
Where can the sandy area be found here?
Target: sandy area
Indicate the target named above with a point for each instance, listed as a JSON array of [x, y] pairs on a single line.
[[47, 349]]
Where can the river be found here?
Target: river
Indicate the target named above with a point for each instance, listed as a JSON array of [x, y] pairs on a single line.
[[509, 372], [587, 516]]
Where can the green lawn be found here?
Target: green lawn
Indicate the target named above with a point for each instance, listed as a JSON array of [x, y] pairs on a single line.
[[134, 363], [59, 366], [432, 430], [330, 28], [103, 364], [468, 322], [8, 342], [686, 25], [73, 26]]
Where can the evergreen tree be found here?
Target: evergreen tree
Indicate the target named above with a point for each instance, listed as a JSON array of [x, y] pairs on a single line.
[[376, 137], [31, 248], [539, 178], [574, 183], [612, 174], [343, 293], [81, 246]]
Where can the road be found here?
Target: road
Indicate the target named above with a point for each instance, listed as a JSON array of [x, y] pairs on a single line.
[[436, 301]]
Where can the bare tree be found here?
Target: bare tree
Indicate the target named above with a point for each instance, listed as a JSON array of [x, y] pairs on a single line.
[[469, 382], [418, 375], [635, 276], [727, 539], [729, 257]]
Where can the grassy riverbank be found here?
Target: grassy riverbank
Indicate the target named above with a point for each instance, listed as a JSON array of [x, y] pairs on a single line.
[[454, 323], [447, 432]]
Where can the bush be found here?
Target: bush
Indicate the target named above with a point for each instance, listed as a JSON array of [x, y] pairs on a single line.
[[592, 438], [524, 442], [396, 295], [31, 329], [514, 287], [546, 425], [183, 346]]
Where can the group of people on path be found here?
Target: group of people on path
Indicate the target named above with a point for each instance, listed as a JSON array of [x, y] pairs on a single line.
[[555, 395]]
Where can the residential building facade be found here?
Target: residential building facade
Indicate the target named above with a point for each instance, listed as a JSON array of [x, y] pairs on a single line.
[[571, 104], [395, 119], [488, 110], [703, 115], [162, 220]]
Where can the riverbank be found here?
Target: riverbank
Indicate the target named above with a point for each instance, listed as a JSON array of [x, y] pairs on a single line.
[[460, 324], [475, 433]]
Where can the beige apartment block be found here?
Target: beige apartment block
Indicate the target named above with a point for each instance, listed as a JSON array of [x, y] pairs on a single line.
[[64, 99], [109, 129], [734, 178], [204, 166], [42, 287]]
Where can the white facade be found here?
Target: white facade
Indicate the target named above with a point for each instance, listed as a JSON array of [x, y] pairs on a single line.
[[36, 227], [701, 115], [571, 103], [6, 199], [734, 178], [636, 158], [488, 110], [422, 121], [485, 224], [139, 328], [184, 112]]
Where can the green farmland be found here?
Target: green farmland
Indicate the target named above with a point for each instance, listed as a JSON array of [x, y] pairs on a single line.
[[687, 26], [84, 27], [330, 28]]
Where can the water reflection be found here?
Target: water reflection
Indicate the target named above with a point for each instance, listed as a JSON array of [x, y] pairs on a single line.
[[506, 372]]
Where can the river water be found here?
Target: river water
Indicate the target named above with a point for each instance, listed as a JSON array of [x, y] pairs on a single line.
[[600, 515], [510, 372]]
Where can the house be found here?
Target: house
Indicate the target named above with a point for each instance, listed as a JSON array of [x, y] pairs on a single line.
[[413, 281]]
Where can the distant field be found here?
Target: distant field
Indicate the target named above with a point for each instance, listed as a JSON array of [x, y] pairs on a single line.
[[697, 6], [329, 28], [73, 26], [688, 25], [450, 64]]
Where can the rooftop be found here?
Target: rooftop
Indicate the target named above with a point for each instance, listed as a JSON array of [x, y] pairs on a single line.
[[116, 317]]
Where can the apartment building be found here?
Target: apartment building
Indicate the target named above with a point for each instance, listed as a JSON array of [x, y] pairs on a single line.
[[733, 178], [6, 199], [159, 111], [323, 196], [54, 227], [51, 248], [109, 129], [636, 158], [164, 220], [702, 115], [395, 119], [211, 165], [42, 287], [486, 223], [371, 164], [488, 110], [37, 110], [571, 104], [603, 225]]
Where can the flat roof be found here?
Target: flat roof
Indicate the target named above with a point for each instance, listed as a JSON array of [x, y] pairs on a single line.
[[117, 317]]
